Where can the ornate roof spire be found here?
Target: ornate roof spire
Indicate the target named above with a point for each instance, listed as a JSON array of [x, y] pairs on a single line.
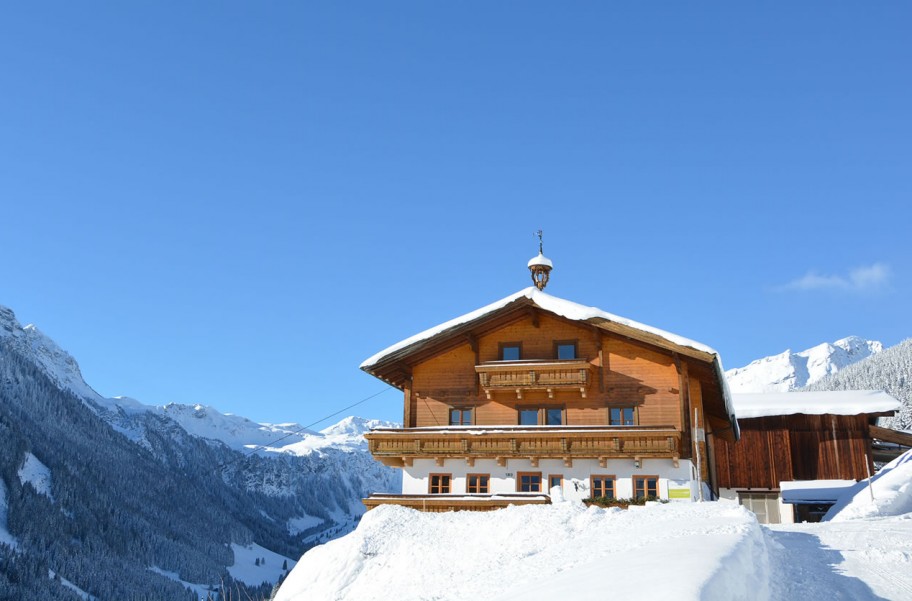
[[540, 266]]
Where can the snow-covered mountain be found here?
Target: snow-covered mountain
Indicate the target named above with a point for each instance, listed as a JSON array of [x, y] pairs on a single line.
[[790, 371], [890, 371], [83, 477]]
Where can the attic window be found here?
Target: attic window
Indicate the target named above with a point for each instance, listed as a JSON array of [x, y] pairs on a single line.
[[564, 350], [510, 351]]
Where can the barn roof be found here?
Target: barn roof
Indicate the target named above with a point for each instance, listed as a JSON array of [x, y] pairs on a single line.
[[832, 402]]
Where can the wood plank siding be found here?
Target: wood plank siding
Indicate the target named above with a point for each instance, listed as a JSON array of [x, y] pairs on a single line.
[[621, 373], [794, 447]]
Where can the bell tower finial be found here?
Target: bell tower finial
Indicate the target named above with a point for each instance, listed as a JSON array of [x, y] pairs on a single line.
[[541, 265]]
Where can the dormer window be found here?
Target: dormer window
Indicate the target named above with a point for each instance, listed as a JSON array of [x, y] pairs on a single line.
[[565, 349], [510, 351]]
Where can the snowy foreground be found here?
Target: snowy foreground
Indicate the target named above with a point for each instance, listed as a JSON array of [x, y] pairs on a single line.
[[687, 551], [708, 551]]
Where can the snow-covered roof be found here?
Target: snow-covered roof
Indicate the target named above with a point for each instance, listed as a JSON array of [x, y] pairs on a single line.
[[559, 306], [831, 402], [540, 260], [814, 491], [573, 311]]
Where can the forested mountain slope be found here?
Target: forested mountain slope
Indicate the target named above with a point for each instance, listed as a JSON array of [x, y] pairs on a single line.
[[890, 370], [120, 502]]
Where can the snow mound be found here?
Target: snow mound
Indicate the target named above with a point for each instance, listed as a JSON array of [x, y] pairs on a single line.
[[708, 551], [37, 474], [892, 487], [788, 371]]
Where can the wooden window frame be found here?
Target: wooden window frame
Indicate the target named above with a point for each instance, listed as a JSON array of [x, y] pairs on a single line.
[[449, 484], [560, 476], [636, 414], [519, 476], [574, 343], [487, 484], [595, 477], [542, 414], [500, 349], [471, 411], [644, 478]]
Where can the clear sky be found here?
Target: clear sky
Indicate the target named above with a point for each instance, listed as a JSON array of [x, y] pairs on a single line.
[[235, 203]]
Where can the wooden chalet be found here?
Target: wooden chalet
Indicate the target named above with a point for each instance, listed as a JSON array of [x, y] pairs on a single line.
[[534, 395], [798, 450]]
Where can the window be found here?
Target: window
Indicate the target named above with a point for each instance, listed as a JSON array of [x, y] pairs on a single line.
[[602, 486], [528, 417], [622, 416], [477, 483], [645, 486], [528, 482], [565, 350], [555, 480], [554, 416], [439, 484], [541, 416], [460, 417], [510, 351]]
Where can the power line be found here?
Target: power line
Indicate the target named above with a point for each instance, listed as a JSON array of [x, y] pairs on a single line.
[[301, 429]]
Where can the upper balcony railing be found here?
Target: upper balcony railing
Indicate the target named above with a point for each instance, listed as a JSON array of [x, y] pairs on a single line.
[[519, 376], [400, 446]]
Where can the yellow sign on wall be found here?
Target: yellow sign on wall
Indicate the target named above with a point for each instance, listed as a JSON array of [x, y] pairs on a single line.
[[678, 493]]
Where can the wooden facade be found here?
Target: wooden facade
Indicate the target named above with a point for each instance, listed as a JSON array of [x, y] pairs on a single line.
[[782, 448], [464, 370], [602, 390]]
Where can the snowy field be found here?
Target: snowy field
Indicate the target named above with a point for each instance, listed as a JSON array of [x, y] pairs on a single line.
[[709, 551], [701, 551]]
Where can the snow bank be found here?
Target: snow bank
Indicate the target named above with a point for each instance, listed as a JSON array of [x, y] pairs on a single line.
[[709, 551], [892, 487]]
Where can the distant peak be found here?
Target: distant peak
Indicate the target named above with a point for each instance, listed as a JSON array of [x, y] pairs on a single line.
[[789, 370]]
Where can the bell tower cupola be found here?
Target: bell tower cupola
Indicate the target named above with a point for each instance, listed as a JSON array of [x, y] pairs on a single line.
[[540, 266]]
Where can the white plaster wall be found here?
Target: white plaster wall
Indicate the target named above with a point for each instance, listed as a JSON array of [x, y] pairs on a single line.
[[576, 479]]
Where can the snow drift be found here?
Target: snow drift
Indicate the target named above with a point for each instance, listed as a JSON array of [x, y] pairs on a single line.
[[892, 490], [708, 551]]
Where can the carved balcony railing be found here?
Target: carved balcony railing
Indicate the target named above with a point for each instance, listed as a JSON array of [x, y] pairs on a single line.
[[519, 376], [398, 447]]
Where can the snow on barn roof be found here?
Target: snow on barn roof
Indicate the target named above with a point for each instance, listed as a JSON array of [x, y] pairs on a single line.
[[831, 402], [545, 301]]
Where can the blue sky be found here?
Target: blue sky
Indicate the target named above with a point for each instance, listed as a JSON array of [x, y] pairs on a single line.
[[236, 203]]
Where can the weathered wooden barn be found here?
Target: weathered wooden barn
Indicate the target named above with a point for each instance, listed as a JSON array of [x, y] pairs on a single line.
[[798, 449]]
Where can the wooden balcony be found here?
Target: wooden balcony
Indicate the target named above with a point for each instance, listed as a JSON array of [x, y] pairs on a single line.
[[443, 503], [519, 376], [399, 447]]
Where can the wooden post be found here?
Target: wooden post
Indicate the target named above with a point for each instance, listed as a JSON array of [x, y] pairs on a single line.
[[407, 415]]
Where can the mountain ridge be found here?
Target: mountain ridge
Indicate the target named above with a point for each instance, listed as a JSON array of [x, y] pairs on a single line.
[[790, 371], [105, 459]]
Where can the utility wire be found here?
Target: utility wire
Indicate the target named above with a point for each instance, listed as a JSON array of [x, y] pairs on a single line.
[[298, 431]]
